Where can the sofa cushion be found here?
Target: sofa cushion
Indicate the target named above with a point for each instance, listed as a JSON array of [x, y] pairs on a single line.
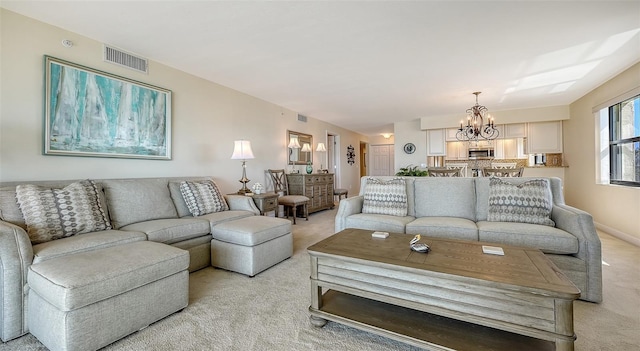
[[202, 197], [138, 200], [394, 224], [58, 213], [444, 227], [546, 239], [528, 202], [385, 197], [225, 216], [171, 230], [445, 197], [82, 279], [83, 243]]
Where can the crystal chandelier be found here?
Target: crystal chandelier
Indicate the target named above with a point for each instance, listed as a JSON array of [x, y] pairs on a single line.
[[476, 128]]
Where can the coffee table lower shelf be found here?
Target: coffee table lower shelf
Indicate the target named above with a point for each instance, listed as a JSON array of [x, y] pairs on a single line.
[[422, 329]]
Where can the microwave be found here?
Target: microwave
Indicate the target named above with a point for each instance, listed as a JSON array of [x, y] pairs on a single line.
[[485, 153]]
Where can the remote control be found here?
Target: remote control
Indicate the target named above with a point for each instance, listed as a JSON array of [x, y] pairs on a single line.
[[380, 235]]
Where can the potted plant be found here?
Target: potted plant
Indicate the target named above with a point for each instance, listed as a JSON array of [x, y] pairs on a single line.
[[412, 171]]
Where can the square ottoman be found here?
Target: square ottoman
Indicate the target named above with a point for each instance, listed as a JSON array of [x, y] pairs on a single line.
[[88, 300], [252, 244]]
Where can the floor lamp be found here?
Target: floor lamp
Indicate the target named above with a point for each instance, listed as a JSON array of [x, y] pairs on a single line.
[[242, 151]]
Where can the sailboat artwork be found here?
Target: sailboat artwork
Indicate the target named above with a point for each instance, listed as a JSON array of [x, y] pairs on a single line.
[[93, 113]]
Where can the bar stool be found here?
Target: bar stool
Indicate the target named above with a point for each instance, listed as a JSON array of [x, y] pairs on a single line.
[[340, 192]]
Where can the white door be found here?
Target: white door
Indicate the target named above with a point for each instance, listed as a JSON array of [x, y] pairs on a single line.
[[381, 160]]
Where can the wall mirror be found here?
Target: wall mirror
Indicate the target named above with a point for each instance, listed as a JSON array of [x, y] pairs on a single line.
[[300, 148]]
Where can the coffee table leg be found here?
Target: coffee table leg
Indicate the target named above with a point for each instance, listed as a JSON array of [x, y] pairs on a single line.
[[316, 296], [564, 345], [317, 321]]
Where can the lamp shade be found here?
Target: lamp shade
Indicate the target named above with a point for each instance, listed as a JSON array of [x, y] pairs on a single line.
[[321, 148], [242, 150], [306, 147], [293, 143]]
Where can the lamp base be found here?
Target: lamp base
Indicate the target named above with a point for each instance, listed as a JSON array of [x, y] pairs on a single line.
[[244, 191]]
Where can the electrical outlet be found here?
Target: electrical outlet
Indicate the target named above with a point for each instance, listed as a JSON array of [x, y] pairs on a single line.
[[423, 165]]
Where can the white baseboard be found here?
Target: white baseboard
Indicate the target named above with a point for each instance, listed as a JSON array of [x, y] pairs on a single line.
[[618, 234]]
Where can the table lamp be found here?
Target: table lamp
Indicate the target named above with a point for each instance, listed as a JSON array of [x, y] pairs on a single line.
[[242, 151]]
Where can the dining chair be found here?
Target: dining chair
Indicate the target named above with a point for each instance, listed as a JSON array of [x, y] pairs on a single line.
[[288, 202], [460, 166], [504, 165], [443, 172], [502, 172]]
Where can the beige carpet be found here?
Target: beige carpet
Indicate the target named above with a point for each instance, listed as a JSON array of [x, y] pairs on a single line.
[[228, 311]]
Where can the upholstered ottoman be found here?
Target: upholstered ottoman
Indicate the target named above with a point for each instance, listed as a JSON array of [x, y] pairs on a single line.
[[252, 244], [88, 300]]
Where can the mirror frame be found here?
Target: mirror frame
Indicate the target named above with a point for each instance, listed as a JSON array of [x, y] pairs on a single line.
[[296, 156]]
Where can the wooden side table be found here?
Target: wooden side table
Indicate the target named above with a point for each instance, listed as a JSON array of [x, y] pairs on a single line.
[[266, 202]]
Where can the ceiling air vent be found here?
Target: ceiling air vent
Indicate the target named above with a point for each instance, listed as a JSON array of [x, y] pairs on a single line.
[[302, 118], [125, 59]]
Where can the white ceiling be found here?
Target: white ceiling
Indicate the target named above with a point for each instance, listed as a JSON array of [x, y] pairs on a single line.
[[365, 65]]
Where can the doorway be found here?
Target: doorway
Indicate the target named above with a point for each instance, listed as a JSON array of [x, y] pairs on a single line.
[[382, 160], [333, 156]]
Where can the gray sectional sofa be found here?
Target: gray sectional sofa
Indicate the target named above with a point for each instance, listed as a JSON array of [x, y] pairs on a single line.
[[459, 208], [145, 209]]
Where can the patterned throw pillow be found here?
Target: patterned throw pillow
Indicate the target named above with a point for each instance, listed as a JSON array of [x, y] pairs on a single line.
[[202, 197], [52, 214], [529, 202], [385, 197]]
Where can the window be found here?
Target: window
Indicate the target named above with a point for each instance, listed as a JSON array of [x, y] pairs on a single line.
[[624, 142]]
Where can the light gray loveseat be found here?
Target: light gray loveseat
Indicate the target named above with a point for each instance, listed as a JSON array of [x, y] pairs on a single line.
[[458, 208], [139, 209]]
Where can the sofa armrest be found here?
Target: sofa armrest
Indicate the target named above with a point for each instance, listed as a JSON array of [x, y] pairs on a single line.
[[346, 208], [580, 224], [241, 203], [16, 255]]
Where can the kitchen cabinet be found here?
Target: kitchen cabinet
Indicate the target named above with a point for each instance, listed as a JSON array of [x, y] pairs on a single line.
[[512, 148], [451, 134], [457, 150], [515, 130], [436, 144], [317, 187], [544, 137]]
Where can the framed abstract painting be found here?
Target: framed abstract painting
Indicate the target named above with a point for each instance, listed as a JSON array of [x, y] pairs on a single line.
[[93, 113]]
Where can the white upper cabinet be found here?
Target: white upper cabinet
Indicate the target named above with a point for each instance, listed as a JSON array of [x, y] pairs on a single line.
[[516, 130], [544, 137], [451, 134], [436, 144]]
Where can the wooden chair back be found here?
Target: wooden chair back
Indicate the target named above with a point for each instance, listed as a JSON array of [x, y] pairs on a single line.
[[502, 172], [443, 172], [279, 179]]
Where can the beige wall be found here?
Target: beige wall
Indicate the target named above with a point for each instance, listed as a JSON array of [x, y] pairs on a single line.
[[207, 118], [615, 209]]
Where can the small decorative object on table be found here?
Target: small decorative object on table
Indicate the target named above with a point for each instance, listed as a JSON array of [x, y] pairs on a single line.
[[415, 245], [257, 188], [309, 167]]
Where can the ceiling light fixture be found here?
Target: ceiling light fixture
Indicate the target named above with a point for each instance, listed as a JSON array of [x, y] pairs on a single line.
[[476, 127]]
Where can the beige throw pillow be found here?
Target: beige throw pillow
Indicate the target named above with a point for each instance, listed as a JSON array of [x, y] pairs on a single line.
[[52, 214], [202, 197], [385, 197], [529, 202]]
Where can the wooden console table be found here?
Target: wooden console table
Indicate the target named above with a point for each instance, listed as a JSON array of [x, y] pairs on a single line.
[[318, 187]]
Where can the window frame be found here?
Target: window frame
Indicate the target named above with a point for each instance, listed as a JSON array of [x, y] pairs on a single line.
[[615, 165]]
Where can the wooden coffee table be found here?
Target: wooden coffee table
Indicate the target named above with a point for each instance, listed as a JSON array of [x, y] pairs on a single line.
[[453, 298]]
